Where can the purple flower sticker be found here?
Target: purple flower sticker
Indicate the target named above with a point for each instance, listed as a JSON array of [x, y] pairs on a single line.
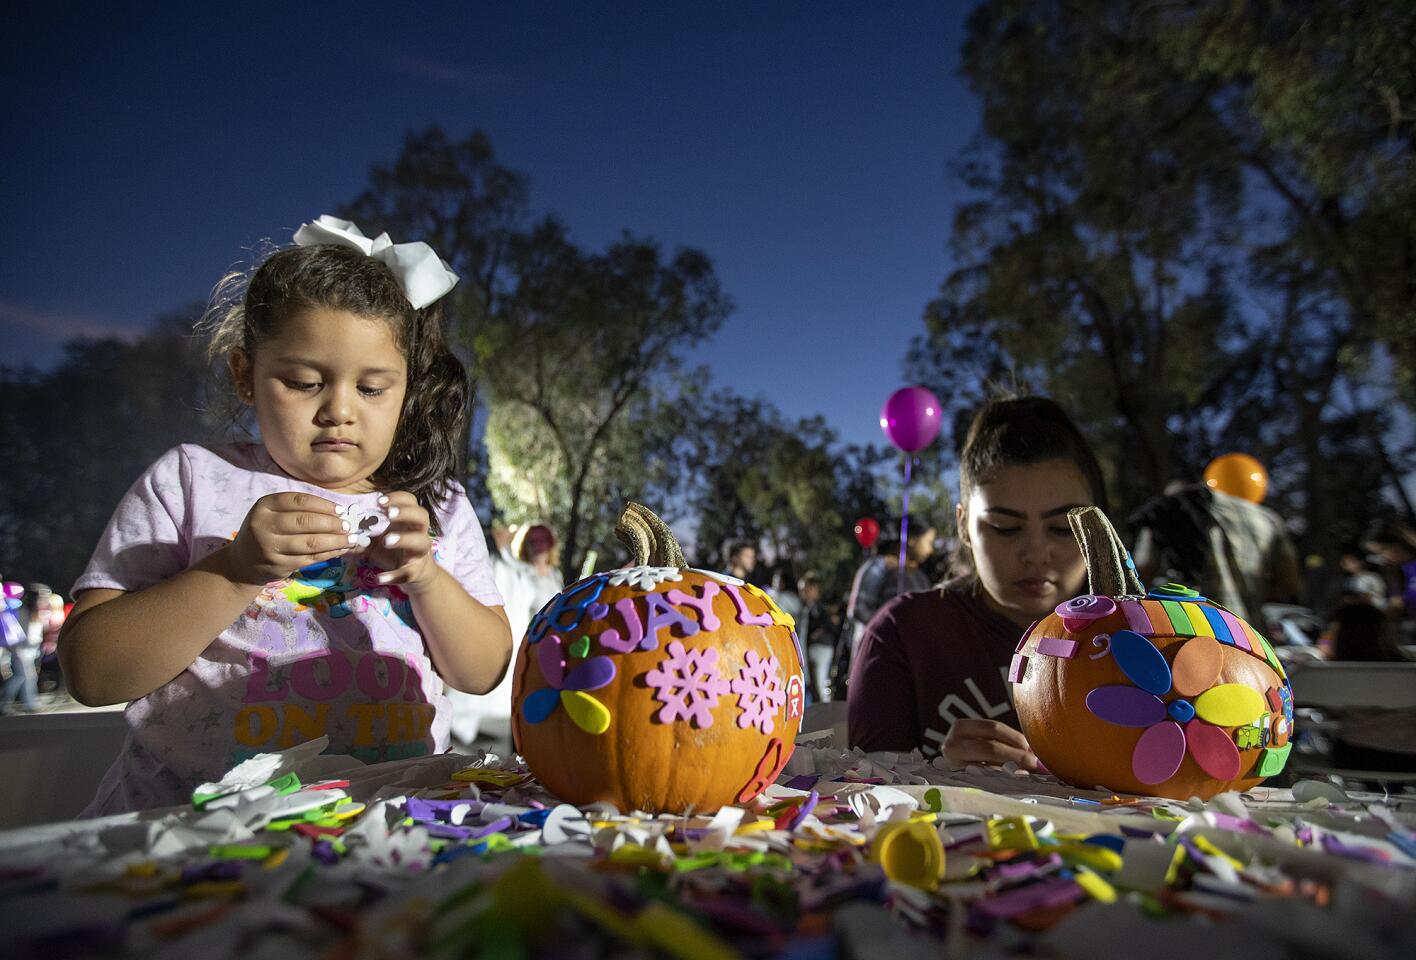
[[1188, 723], [568, 689]]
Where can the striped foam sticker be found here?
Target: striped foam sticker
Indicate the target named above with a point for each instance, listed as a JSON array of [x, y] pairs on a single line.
[[1179, 620], [1217, 624], [1198, 621], [1236, 631], [1159, 618], [1136, 618]]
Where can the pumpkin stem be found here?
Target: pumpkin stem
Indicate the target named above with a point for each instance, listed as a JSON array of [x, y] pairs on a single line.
[[648, 538], [1110, 571]]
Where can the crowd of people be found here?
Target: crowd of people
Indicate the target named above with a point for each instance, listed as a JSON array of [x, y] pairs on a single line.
[[30, 620]]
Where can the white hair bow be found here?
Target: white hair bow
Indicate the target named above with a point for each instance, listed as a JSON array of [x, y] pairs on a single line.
[[419, 270]]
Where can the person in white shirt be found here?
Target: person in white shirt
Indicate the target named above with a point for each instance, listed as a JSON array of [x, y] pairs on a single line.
[[490, 714], [538, 553]]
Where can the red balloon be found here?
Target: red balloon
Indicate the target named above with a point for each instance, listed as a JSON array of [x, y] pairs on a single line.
[[867, 531]]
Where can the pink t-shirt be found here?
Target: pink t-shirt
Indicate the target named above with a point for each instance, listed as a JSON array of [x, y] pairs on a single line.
[[327, 652]]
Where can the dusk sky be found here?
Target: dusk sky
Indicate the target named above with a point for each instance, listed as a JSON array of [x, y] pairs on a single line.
[[804, 146]]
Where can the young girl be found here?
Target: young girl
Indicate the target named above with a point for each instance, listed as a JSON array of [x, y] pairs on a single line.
[[932, 667], [247, 597]]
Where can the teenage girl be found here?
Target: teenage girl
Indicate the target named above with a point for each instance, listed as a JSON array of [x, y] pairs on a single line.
[[932, 667]]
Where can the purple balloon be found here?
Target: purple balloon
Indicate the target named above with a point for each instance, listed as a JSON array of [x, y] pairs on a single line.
[[911, 418]]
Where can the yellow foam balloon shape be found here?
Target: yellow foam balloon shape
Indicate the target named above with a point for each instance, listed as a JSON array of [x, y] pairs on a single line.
[[1230, 705]]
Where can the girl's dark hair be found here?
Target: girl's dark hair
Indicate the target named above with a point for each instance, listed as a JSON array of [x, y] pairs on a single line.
[[423, 459], [1362, 632], [1017, 431]]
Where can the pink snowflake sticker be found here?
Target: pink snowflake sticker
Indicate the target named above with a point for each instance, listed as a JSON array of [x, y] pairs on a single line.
[[760, 692], [687, 683]]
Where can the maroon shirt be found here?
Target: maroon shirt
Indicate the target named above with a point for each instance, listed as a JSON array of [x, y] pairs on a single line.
[[926, 660]]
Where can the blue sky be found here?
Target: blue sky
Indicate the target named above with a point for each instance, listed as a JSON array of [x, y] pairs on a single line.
[[804, 146]]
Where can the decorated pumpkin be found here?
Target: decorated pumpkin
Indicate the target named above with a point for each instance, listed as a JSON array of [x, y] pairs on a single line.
[[1165, 693], [658, 687]]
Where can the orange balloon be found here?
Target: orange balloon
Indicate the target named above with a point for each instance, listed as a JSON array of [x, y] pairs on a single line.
[[1238, 475]]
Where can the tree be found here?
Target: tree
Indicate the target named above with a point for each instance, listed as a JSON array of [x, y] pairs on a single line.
[[583, 343], [455, 196], [1321, 99], [787, 486], [77, 436], [1172, 244], [640, 459]]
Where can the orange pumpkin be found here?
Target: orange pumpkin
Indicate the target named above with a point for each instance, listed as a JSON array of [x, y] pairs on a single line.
[[1166, 693], [658, 687]]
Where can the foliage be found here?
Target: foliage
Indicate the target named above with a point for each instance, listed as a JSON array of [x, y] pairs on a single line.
[[77, 436], [789, 487], [640, 460], [587, 345], [1175, 228], [455, 196]]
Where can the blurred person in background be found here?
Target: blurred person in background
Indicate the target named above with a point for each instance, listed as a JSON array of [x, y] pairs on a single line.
[[489, 714], [1395, 544], [1233, 551], [878, 580], [742, 560], [785, 593], [538, 552], [1360, 583], [24, 656], [817, 632], [1360, 632]]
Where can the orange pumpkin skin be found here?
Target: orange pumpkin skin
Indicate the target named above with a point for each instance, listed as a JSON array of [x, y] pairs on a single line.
[[655, 755], [1051, 693]]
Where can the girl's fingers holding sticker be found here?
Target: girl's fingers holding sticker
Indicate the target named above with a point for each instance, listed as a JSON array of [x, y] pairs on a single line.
[[307, 545], [399, 547], [306, 522], [400, 505], [291, 502]]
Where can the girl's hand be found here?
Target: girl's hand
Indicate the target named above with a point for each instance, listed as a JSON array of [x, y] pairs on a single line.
[[405, 550], [987, 741], [284, 532]]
